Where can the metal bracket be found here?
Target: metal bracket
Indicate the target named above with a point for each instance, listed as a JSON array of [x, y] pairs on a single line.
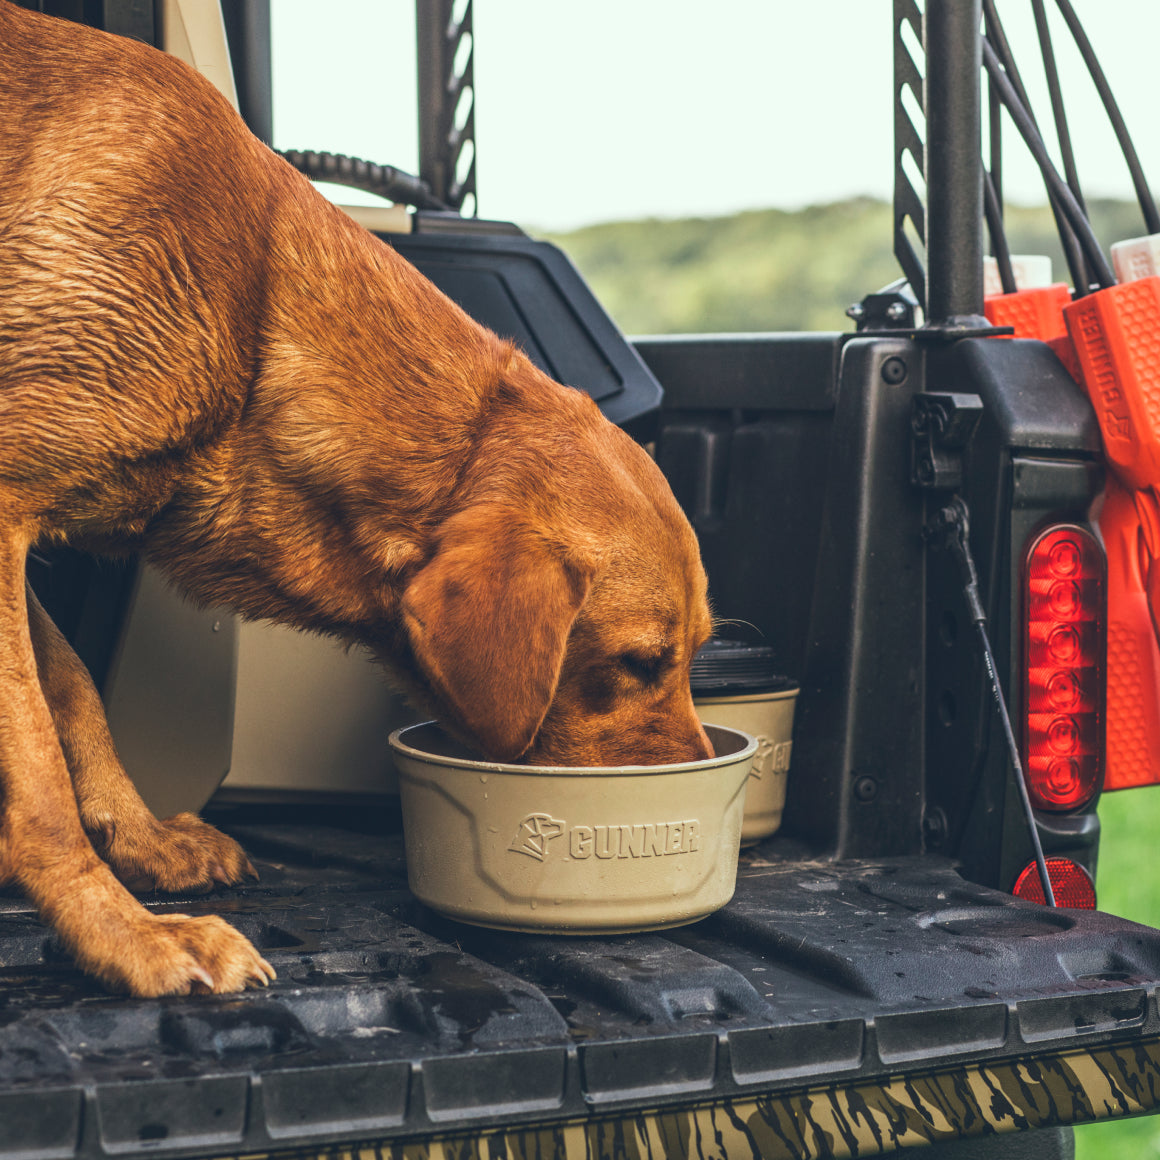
[[942, 425], [894, 308]]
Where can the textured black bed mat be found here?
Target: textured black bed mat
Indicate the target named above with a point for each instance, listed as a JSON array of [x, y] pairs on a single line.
[[387, 1020]]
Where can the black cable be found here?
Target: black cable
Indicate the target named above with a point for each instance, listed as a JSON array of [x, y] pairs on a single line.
[[995, 168], [1072, 253], [994, 214], [382, 180], [1059, 114], [1143, 193], [951, 526], [1056, 186], [995, 130], [997, 38]]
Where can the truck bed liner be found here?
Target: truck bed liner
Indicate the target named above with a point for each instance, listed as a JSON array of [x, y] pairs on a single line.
[[387, 1022]]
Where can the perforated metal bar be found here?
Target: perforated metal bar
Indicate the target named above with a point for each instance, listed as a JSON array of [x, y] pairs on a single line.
[[909, 203], [446, 76]]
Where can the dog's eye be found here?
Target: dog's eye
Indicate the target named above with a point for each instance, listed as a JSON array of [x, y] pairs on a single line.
[[644, 668]]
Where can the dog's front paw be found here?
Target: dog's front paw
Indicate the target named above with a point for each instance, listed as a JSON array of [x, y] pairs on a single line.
[[179, 955], [179, 855]]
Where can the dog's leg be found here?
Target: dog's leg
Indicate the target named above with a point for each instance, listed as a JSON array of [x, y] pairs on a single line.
[[43, 846], [182, 853]]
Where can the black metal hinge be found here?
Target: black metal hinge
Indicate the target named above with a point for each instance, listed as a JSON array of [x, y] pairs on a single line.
[[941, 426]]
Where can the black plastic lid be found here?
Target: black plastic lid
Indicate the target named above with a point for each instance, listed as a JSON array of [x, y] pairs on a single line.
[[529, 291], [728, 666]]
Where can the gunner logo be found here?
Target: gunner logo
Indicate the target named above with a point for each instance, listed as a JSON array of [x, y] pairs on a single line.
[[631, 841], [533, 835]]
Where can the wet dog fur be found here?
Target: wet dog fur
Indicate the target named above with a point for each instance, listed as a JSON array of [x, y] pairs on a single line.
[[206, 362]]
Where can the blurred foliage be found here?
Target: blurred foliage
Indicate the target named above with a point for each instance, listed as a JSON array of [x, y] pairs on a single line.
[[753, 271], [773, 269]]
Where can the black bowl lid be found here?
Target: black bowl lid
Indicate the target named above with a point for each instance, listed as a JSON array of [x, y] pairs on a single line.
[[728, 666]]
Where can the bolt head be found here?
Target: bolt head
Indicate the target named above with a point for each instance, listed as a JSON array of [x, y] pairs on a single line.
[[893, 371]]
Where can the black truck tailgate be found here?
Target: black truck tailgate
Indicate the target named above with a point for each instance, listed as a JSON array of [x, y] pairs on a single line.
[[832, 1008]]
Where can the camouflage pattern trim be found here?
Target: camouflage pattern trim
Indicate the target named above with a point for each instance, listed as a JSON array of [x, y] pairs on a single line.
[[867, 1118]]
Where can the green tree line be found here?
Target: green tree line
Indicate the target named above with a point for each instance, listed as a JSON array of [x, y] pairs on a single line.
[[775, 269]]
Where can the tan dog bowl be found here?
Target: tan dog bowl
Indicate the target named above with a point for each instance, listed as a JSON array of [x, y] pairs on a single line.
[[768, 717], [570, 850], [737, 685]]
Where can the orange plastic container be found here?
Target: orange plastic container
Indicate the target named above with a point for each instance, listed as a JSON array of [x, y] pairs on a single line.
[[1115, 334], [1035, 313], [1133, 693], [1065, 352]]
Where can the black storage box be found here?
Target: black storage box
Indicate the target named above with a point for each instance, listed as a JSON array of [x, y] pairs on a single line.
[[528, 291]]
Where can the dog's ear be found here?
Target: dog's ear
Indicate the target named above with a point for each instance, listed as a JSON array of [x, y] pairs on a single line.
[[488, 619]]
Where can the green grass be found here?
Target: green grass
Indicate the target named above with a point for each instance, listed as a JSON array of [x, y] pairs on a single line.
[[1128, 885], [1137, 1139], [1127, 881]]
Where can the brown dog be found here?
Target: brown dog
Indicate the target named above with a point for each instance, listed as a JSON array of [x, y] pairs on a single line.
[[205, 361]]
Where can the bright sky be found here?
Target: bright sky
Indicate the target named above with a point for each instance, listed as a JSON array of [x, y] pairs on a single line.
[[620, 109]]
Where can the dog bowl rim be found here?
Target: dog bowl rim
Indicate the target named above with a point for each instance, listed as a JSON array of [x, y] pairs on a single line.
[[714, 699], [397, 743]]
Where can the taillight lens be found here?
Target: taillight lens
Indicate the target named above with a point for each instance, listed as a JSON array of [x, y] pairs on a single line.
[[1070, 883], [1064, 656]]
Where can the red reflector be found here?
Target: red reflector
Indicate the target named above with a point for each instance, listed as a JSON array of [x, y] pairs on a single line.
[[1070, 883], [1064, 647]]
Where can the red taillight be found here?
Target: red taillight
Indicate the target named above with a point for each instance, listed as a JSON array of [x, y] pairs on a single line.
[[1070, 883], [1065, 605]]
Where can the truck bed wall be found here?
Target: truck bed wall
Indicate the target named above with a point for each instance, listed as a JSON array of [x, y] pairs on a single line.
[[792, 456]]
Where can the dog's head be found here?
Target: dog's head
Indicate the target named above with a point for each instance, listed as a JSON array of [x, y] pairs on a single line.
[[557, 620]]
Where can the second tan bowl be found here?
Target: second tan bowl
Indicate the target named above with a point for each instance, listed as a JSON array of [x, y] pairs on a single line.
[[570, 850], [768, 717]]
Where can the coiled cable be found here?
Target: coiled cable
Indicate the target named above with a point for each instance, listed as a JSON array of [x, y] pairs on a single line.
[[383, 180]]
